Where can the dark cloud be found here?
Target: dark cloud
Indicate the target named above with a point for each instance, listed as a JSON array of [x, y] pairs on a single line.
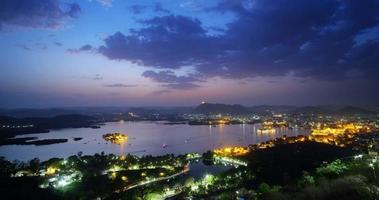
[[23, 46], [121, 85], [159, 8], [58, 44], [306, 38], [139, 9], [193, 5], [172, 81], [167, 42], [181, 86], [37, 13], [86, 47], [73, 10], [314, 39], [34, 46]]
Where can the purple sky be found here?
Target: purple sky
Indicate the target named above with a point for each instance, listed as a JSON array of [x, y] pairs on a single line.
[[180, 52]]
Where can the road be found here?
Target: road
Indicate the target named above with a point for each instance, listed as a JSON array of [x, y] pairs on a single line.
[[185, 170]]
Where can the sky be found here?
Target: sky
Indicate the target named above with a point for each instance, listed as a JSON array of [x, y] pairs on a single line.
[[62, 53]]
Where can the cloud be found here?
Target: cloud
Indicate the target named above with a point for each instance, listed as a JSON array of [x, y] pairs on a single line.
[[139, 9], [167, 42], [97, 77], [86, 47], [172, 81], [181, 86], [313, 39], [40, 45], [34, 46], [49, 14], [107, 3], [159, 8], [121, 85], [58, 44], [160, 92], [193, 5], [23, 46]]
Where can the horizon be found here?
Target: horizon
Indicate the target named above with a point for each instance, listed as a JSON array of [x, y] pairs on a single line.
[[65, 53], [182, 106]]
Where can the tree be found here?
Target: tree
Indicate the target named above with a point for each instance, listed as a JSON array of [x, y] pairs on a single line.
[[154, 196], [333, 169], [306, 180], [263, 188], [34, 165]]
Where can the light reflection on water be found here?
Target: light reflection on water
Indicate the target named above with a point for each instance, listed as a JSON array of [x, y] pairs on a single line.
[[199, 169], [144, 138]]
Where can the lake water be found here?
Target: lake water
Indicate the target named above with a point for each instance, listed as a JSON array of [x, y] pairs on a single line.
[[199, 169], [144, 138]]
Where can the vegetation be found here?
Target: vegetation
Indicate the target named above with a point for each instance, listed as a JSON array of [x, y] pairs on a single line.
[[284, 163], [302, 170]]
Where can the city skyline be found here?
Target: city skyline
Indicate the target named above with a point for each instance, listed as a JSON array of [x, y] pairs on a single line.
[[62, 53]]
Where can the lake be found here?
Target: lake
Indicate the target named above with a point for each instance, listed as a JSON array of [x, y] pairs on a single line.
[[144, 138]]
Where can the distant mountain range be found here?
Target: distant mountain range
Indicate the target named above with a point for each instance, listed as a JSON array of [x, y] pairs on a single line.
[[59, 121], [209, 108], [347, 110], [311, 110], [90, 111], [107, 113]]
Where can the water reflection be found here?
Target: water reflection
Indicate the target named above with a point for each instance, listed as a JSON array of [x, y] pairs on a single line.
[[198, 169]]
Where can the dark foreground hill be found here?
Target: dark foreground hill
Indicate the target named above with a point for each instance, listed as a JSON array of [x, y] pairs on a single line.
[[286, 162]]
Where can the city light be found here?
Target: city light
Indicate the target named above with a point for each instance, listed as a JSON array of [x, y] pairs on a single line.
[[116, 138], [51, 170], [231, 151]]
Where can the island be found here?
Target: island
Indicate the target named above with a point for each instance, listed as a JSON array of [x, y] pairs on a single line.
[[30, 141], [115, 138]]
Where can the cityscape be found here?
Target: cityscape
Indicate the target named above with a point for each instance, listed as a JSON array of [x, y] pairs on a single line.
[[189, 99]]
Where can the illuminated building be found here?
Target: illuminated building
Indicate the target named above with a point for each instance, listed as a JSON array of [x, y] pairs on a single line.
[[267, 128], [51, 170], [116, 138], [339, 134], [231, 151]]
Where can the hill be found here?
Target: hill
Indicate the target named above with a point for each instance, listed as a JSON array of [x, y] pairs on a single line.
[[309, 110], [10, 126], [351, 110], [211, 108]]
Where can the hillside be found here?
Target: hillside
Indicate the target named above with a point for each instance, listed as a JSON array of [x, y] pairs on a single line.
[[210, 108]]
